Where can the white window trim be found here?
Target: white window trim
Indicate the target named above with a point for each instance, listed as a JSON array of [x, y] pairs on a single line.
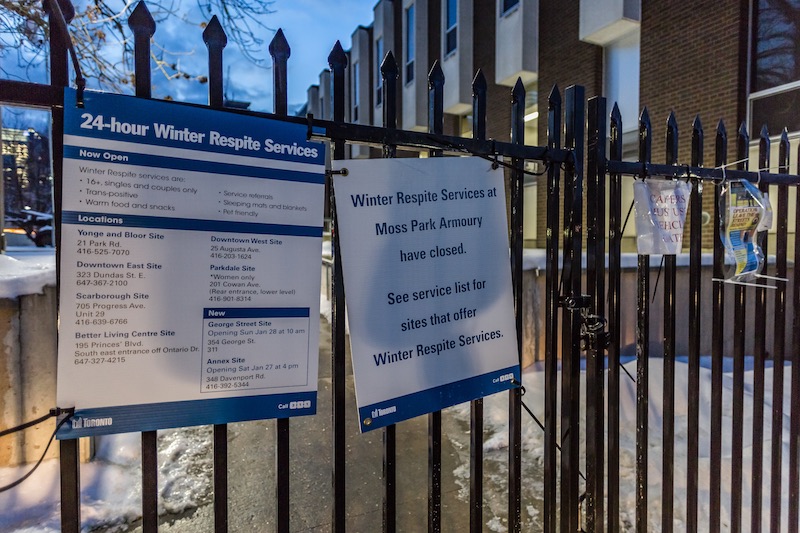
[[786, 87]]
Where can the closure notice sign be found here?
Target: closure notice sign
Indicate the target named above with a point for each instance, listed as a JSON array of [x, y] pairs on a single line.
[[189, 275], [425, 257]]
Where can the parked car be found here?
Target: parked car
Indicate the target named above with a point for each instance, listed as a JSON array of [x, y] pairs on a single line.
[[37, 226]]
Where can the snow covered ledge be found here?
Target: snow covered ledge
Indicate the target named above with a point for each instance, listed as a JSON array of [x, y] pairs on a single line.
[[28, 357]]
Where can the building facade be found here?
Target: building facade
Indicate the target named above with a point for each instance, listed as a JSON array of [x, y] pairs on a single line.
[[729, 60]]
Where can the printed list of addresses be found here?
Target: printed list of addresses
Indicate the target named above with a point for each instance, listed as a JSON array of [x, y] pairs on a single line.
[[120, 281]]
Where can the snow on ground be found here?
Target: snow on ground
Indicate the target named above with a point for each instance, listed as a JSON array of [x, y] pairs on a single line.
[[111, 485], [496, 442]]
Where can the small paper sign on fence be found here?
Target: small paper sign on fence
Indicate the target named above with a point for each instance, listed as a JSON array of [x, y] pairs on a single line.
[[660, 215], [746, 212]]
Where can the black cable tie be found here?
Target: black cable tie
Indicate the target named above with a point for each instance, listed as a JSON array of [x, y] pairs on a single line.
[[341, 172], [81, 82], [310, 126]]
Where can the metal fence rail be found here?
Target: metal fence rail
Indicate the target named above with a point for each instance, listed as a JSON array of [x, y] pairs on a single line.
[[583, 312]]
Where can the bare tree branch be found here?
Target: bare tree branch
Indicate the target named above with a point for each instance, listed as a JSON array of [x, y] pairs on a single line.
[[104, 43]]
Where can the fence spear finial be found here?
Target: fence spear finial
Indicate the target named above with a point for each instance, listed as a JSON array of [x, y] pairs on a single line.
[[141, 22], [280, 52], [337, 57]]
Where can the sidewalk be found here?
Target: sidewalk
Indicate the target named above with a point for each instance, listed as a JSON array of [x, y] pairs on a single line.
[[251, 467]]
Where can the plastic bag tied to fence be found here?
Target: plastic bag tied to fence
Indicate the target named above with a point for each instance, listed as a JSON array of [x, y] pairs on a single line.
[[660, 215], [746, 212]]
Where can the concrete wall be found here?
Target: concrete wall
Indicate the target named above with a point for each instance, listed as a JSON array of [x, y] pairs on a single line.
[[28, 376]]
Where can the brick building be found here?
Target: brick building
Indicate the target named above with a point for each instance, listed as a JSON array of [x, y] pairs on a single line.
[[731, 60]]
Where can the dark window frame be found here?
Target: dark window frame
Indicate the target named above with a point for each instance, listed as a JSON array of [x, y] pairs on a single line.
[[410, 36], [451, 27], [507, 6]]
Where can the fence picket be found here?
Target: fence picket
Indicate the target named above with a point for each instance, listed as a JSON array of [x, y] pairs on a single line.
[[337, 60], [572, 301], [389, 74], [476, 406], [695, 275], [779, 342], [717, 353], [553, 291], [642, 349], [614, 321], [739, 317], [595, 288], [668, 437]]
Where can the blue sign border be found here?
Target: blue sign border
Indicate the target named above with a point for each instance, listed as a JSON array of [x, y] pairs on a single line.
[[437, 398], [295, 149], [150, 417]]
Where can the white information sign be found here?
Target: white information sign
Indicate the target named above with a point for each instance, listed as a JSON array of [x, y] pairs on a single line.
[[189, 277], [425, 256]]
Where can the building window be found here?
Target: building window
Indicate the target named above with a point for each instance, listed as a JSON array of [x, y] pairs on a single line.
[[621, 59], [410, 44], [776, 66], [507, 5], [356, 94], [322, 108], [451, 28], [378, 75]]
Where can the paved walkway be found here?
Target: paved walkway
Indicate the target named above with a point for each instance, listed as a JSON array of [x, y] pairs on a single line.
[[252, 466]]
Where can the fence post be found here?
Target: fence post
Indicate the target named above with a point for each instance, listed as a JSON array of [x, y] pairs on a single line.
[[337, 60], [515, 394], [794, 420], [614, 284], [642, 345], [668, 422], [280, 52], [476, 407], [717, 354], [779, 346], [695, 273], [215, 39], [595, 284], [389, 97], [551, 318], [571, 340], [59, 77], [435, 125], [143, 27]]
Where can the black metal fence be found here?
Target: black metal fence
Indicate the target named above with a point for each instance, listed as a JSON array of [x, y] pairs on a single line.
[[583, 318]]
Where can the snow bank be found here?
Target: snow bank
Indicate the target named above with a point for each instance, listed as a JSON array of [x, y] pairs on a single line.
[[496, 443], [111, 485], [18, 278]]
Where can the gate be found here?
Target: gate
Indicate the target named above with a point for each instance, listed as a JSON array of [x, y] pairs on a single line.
[[584, 177]]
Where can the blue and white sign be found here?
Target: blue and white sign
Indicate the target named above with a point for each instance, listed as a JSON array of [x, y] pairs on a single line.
[[425, 256], [190, 257]]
